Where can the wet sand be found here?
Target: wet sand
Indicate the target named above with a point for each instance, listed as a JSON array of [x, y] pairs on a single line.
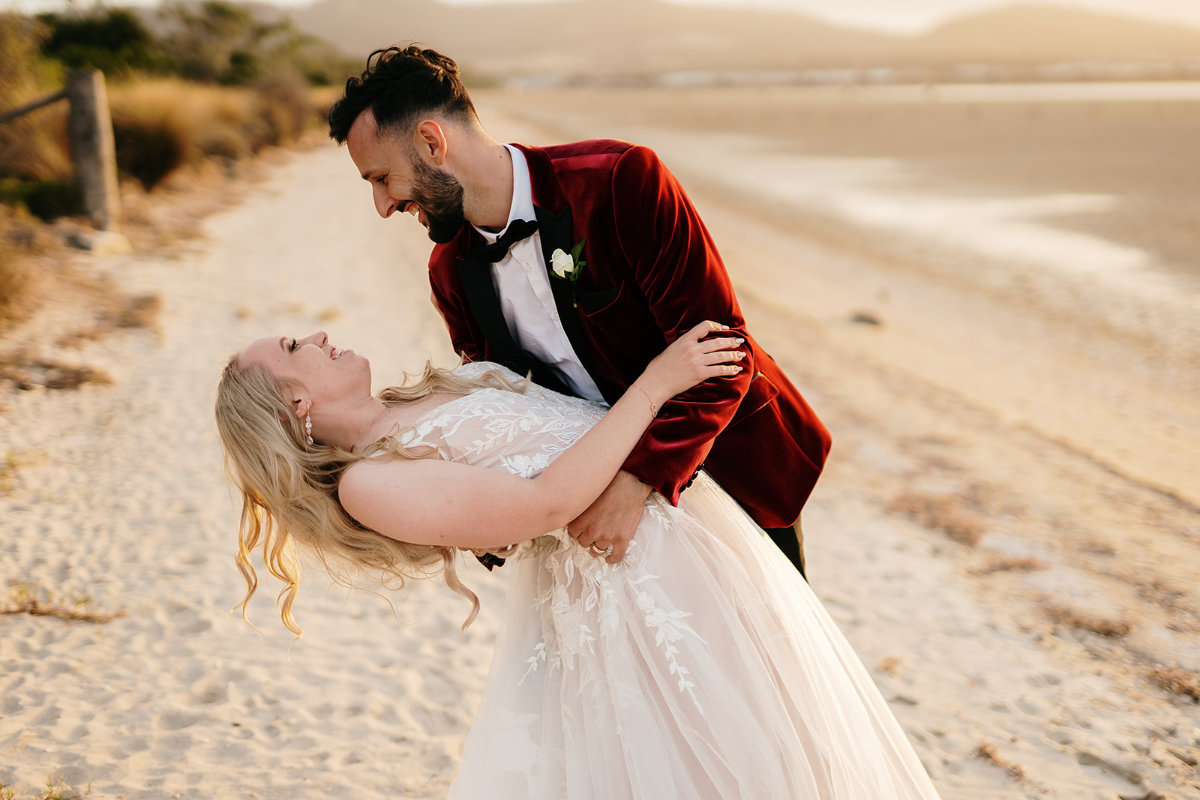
[[964, 537]]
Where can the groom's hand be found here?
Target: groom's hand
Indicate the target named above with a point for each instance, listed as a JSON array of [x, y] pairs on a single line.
[[613, 518]]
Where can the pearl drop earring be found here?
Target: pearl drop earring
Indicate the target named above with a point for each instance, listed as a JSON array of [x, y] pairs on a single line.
[[308, 429]]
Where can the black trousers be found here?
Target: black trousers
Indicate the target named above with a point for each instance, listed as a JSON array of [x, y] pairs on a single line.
[[791, 542]]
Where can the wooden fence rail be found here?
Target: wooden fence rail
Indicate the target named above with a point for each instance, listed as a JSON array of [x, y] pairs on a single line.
[[9, 116], [93, 149]]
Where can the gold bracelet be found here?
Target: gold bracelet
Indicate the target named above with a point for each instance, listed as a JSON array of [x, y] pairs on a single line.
[[653, 408]]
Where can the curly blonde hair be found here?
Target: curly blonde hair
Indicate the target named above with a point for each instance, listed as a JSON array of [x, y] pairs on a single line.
[[290, 488]]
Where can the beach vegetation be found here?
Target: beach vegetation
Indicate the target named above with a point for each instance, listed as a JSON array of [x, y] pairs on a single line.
[[1002, 563], [210, 80], [59, 789], [213, 81], [113, 40], [939, 513], [1177, 681], [988, 752], [1079, 620], [21, 239], [8, 473], [34, 373], [21, 598]]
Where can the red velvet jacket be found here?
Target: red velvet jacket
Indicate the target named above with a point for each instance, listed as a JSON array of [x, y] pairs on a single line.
[[652, 272]]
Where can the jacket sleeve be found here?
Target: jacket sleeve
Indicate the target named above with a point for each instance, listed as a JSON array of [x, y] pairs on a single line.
[[680, 273]]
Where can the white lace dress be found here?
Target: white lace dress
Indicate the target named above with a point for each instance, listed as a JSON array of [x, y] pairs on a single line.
[[701, 666]]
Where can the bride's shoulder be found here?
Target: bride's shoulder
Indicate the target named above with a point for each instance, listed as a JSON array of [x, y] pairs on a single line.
[[479, 369]]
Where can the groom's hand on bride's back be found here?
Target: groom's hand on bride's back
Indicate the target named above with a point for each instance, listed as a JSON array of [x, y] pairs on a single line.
[[613, 518]]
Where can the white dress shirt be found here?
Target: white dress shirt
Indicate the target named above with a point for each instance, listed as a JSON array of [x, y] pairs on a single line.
[[526, 300]]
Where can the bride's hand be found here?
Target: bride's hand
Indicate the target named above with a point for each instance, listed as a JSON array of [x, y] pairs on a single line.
[[689, 360]]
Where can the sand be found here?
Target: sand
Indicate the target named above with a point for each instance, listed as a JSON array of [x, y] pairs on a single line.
[[117, 496]]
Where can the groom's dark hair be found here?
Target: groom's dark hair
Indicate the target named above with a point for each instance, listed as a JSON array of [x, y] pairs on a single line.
[[399, 84]]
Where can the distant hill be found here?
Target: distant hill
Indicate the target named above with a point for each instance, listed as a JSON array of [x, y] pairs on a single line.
[[615, 38], [1040, 33]]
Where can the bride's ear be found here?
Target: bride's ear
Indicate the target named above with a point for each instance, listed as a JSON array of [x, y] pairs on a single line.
[[301, 406]]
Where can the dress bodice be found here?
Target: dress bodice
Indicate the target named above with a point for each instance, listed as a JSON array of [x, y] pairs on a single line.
[[520, 433]]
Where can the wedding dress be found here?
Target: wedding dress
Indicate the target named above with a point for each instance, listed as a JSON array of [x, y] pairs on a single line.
[[700, 667]]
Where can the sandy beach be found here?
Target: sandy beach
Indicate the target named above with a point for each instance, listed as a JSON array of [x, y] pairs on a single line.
[[1007, 531]]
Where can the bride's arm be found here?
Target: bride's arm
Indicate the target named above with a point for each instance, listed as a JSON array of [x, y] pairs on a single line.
[[429, 501]]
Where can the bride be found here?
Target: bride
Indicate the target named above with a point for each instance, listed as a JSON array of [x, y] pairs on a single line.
[[699, 666]]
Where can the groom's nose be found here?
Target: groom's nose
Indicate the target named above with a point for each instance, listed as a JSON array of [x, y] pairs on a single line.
[[385, 204]]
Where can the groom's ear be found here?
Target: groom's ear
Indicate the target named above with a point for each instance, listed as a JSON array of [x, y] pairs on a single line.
[[430, 141]]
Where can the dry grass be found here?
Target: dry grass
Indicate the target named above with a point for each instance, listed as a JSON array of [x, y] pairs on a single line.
[[1177, 681], [35, 147], [21, 239], [889, 665], [13, 462], [59, 789], [32, 373], [1008, 564], [941, 513], [988, 752], [138, 311], [1108, 628], [161, 125], [8, 473], [23, 599]]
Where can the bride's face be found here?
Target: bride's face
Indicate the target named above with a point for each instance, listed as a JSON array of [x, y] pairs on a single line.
[[311, 363]]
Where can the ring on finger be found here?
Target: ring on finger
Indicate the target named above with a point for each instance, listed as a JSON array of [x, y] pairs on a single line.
[[603, 553]]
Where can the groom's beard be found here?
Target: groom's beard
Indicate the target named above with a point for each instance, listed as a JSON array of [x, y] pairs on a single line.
[[440, 196]]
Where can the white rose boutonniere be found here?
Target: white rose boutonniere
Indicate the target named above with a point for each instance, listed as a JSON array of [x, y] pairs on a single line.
[[568, 265]]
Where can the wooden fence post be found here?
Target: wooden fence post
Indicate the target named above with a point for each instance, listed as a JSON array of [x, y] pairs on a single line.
[[93, 148]]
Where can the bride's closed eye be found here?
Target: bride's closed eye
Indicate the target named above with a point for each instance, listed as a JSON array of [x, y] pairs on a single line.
[[292, 345]]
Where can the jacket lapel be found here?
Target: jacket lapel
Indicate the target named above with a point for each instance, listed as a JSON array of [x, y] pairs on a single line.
[[555, 230], [476, 277], [480, 291]]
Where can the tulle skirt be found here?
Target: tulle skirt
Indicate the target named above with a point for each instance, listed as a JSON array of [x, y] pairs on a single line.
[[702, 666]]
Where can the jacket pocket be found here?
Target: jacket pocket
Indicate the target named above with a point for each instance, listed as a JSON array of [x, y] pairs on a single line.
[[760, 394], [593, 301]]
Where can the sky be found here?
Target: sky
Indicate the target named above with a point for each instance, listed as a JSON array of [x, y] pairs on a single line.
[[902, 16]]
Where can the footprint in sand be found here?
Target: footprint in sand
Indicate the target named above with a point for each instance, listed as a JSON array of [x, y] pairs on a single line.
[[176, 720], [212, 693]]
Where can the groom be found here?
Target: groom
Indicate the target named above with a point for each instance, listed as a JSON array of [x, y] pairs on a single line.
[[579, 263]]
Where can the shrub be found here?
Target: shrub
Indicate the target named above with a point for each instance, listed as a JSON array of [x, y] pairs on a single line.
[[112, 40], [150, 147], [160, 125], [52, 199], [282, 101]]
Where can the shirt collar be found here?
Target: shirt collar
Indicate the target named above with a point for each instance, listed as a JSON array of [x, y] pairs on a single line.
[[522, 199]]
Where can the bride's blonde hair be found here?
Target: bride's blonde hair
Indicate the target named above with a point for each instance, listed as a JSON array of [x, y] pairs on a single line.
[[290, 488]]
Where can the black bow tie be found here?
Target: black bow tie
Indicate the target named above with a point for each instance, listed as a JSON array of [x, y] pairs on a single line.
[[517, 230]]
